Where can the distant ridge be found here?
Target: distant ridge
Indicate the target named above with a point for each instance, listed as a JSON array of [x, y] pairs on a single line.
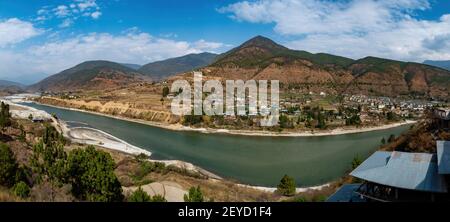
[[90, 75], [6, 83], [445, 64], [132, 66], [165, 68]]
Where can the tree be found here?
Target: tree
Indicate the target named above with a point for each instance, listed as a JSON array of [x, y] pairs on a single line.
[[194, 195], [285, 122], [23, 135], [356, 162], [383, 141], [391, 116], [139, 195], [49, 158], [287, 186], [5, 116], [321, 121], [91, 173], [391, 138], [353, 120], [192, 119], [49, 162], [166, 91], [30, 117], [8, 166], [21, 189], [51, 136]]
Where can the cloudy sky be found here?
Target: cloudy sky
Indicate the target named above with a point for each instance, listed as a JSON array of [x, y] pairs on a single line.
[[39, 38]]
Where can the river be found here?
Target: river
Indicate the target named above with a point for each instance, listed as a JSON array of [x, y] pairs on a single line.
[[250, 160]]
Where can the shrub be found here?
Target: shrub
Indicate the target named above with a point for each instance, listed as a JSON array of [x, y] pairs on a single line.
[[21, 189], [158, 198], [139, 195], [91, 173], [5, 116], [8, 166], [356, 162], [166, 91], [287, 186], [391, 138], [194, 195]]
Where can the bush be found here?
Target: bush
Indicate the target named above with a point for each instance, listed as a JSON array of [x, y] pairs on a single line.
[[21, 189], [8, 166], [139, 195], [285, 122], [166, 91], [287, 186], [158, 198], [354, 120], [194, 195], [5, 116], [91, 173], [192, 119], [356, 162], [391, 138]]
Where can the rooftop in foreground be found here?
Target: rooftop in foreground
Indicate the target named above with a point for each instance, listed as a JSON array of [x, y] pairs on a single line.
[[413, 171], [443, 155]]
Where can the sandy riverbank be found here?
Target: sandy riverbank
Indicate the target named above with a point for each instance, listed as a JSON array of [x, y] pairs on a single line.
[[179, 127]]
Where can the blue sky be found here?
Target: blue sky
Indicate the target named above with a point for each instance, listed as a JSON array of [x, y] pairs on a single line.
[[38, 37]]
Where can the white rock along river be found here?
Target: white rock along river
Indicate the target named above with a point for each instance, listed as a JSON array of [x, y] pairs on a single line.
[[253, 160]]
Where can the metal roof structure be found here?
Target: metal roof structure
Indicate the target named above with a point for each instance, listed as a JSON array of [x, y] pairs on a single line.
[[443, 155], [413, 171], [346, 194]]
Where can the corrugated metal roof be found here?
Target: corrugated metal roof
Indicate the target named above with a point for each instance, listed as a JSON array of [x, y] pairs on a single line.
[[414, 171], [443, 154], [346, 194]]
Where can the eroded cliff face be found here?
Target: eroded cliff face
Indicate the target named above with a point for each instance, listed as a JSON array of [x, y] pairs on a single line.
[[114, 108]]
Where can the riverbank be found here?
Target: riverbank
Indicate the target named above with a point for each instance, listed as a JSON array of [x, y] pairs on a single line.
[[180, 127]]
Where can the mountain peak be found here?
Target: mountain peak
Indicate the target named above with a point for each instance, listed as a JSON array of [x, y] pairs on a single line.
[[262, 42]]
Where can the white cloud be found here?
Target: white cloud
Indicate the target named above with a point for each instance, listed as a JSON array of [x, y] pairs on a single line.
[[69, 13], [354, 28], [129, 47], [96, 15], [205, 45], [84, 5], [66, 23], [62, 11], [14, 30]]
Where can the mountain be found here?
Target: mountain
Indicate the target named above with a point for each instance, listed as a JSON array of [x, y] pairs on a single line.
[[131, 66], [6, 83], [262, 59], [390, 77], [90, 75], [162, 69], [445, 64], [261, 51]]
